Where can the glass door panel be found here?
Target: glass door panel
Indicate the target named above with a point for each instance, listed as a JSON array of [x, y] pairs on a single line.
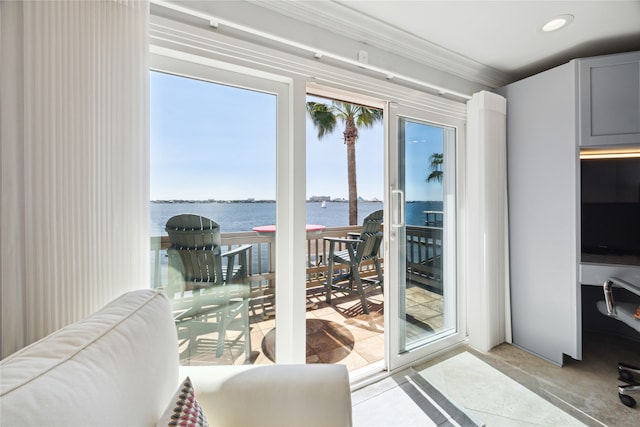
[[422, 236], [425, 296], [209, 163]]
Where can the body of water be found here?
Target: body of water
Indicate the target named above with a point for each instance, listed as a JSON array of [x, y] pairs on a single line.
[[245, 216]]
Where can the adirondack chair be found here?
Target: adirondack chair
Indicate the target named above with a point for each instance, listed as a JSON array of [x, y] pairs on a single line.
[[209, 289], [358, 250]]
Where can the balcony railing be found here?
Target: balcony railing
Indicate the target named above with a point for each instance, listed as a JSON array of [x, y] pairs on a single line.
[[424, 256], [261, 255]]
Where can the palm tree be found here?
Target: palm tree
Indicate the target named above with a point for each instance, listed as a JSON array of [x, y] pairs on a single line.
[[325, 117], [436, 167]]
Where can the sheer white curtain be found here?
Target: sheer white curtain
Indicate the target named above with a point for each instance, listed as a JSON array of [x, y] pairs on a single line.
[[74, 128], [487, 248]]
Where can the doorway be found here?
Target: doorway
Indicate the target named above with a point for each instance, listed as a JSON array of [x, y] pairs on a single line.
[[424, 314], [345, 184]]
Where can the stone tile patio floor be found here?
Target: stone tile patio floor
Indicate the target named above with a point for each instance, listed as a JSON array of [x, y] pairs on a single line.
[[339, 332]]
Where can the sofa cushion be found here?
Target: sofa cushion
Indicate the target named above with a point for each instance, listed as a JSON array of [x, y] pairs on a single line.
[[117, 367], [315, 395], [184, 409]]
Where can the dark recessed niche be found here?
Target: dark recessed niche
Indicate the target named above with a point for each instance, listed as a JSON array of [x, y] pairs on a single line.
[[610, 211]]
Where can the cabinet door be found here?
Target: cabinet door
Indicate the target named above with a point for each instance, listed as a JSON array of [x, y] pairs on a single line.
[[609, 100], [542, 159]]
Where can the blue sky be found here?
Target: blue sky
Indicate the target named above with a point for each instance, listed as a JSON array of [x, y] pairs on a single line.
[[421, 141], [210, 141], [327, 161]]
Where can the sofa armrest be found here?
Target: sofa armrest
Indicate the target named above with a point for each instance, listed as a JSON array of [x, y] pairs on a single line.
[[273, 395]]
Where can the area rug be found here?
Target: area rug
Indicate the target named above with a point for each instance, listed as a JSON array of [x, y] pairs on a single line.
[[327, 342]]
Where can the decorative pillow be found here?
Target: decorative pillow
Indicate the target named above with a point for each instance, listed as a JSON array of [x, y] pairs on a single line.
[[183, 410]]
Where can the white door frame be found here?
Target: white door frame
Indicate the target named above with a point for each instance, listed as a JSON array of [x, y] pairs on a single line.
[[394, 267]]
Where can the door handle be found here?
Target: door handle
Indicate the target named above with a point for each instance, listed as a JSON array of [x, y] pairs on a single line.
[[399, 199]]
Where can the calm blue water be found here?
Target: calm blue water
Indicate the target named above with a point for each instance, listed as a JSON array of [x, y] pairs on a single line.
[[245, 216]]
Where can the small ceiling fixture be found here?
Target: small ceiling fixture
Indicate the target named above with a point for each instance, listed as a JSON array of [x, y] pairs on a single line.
[[557, 22]]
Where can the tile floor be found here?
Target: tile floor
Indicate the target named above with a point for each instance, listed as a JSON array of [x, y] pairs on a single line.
[[510, 387], [587, 388], [484, 394], [492, 397], [386, 403]]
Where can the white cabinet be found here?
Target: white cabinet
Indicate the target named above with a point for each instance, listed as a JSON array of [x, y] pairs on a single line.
[[542, 173], [586, 102], [609, 99]]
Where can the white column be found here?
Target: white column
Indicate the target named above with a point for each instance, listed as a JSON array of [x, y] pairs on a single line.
[[487, 269]]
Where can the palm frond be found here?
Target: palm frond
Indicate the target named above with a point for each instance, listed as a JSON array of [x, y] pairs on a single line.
[[435, 176], [436, 161], [367, 117], [322, 116], [364, 117]]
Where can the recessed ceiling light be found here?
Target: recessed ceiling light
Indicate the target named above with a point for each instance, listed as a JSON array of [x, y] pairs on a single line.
[[557, 22]]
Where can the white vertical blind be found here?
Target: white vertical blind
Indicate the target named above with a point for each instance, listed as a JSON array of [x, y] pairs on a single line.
[[487, 267], [75, 137]]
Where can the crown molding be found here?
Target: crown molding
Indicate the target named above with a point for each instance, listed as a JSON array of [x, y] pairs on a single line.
[[340, 19], [202, 46], [244, 20]]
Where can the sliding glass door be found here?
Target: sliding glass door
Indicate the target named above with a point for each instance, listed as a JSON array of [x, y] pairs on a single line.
[[423, 291], [418, 312], [214, 147]]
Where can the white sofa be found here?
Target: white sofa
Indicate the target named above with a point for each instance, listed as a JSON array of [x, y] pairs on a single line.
[[119, 367]]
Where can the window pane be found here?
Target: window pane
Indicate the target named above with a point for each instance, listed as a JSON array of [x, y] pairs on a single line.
[[429, 293], [213, 158]]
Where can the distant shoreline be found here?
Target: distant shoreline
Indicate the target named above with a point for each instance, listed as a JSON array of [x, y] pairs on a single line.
[[254, 201], [213, 201]]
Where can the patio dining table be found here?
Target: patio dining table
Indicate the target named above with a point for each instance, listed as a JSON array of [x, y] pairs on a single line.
[[270, 230]]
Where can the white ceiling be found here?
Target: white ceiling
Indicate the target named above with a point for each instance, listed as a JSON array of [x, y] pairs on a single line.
[[501, 35], [506, 35]]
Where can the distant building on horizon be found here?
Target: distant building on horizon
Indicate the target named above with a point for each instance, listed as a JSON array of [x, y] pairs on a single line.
[[320, 198]]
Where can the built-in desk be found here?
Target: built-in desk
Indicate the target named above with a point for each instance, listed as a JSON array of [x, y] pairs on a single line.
[[592, 277], [596, 274]]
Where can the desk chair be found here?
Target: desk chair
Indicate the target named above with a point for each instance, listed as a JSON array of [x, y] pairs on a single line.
[[624, 312]]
